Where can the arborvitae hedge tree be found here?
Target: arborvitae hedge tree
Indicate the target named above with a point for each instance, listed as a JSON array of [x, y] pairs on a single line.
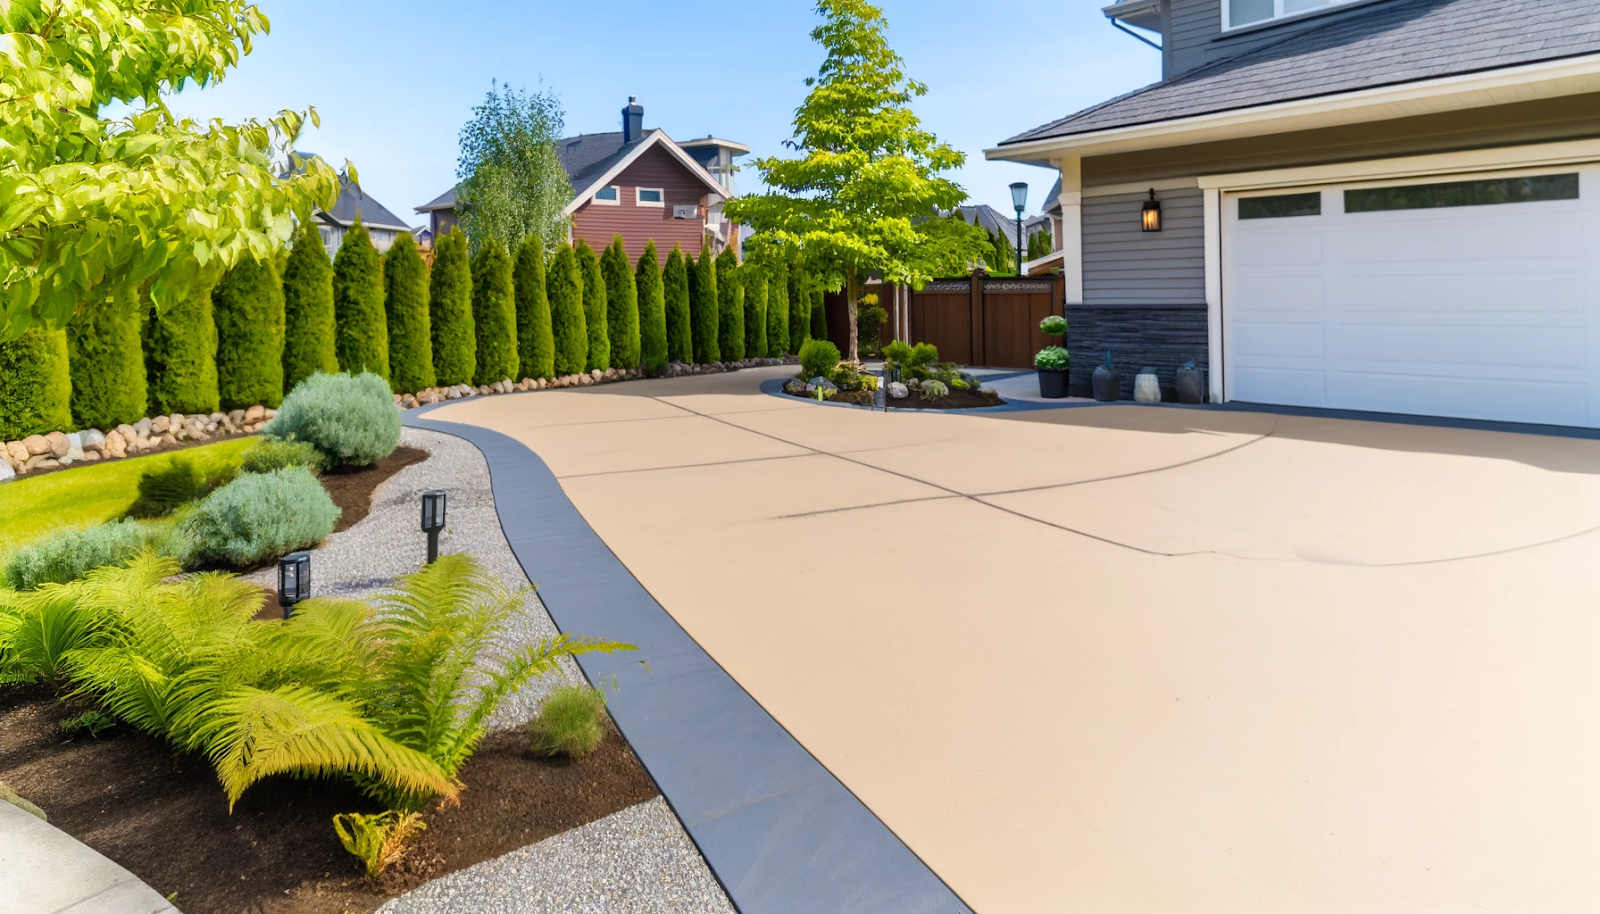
[[819, 312], [536, 347], [361, 329], [494, 314], [652, 309], [778, 310], [799, 307], [564, 285], [106, 360], [753, 283], [405, 302], [594, 307], [35, 384], [675, 283], [705, 308], [730, 306], [180, 355], [248, 308], [622, 305], [455, 344], [308, 326]]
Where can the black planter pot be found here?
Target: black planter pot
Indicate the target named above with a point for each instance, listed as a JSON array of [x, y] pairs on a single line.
[[1052, 384], [1107, 384], [1191, 386]]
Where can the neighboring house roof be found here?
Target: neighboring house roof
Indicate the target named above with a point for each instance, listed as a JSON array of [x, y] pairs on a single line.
[[594, 159], [1052, 200], [995, 221], [353, 203], [1368, 46]]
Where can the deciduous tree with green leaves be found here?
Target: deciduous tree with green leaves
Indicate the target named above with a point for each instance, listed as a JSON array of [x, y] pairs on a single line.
[[511, 183], [93, 206], [861, 197]]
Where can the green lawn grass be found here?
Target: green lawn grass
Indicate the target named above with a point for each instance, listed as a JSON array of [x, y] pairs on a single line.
[[31, 509]]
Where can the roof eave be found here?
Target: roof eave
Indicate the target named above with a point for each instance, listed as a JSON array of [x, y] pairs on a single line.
[[1545, 79]]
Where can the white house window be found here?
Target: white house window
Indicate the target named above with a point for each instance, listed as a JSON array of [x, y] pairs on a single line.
[[651, 196], [608, 196], [1238, 13]]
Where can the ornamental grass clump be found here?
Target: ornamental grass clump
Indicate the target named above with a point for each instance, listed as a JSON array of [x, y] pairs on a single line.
[[571, 722], [353, 421], [256, 518], [70, 554]]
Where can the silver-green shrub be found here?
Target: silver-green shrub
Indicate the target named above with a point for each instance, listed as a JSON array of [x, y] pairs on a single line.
[[70, 554], [257, 517], [353, 421], [265, 456]]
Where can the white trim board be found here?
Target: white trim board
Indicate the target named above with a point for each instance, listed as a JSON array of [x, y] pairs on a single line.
[[1545, 79]]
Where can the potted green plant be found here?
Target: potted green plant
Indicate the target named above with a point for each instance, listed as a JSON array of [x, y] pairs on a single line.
[[1052, 361]]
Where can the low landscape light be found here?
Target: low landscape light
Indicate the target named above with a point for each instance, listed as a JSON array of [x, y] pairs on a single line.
[[294, 581], [434, 504], [1151, 219]]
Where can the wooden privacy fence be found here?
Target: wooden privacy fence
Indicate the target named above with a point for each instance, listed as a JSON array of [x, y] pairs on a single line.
[[983, 321]]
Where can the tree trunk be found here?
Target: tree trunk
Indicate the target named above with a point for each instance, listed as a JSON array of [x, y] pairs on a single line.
[[850, 311]]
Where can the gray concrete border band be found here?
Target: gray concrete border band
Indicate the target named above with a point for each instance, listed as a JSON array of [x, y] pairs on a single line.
[[780, 832]]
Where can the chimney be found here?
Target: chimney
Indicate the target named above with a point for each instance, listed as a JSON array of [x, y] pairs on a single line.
[[632, 120]]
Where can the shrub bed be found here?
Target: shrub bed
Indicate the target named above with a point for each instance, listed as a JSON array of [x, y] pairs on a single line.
[[351, 420], [256, 518]]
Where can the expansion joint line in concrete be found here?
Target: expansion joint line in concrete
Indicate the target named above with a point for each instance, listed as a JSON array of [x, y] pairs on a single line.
[[979, 498]]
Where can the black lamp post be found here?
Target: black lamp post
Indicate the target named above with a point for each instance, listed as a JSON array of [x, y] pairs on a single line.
[[433, 508], [294, 581], [1019, 199]]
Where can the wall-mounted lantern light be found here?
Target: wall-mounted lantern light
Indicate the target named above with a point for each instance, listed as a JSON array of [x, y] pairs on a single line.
[[294, 581], [1151, 218], [433, 508]]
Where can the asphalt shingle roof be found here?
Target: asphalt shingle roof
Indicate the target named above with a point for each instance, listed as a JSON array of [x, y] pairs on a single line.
[[353, 202], [1383, 44]]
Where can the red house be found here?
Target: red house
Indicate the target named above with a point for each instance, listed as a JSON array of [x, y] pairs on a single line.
[[639, 184]]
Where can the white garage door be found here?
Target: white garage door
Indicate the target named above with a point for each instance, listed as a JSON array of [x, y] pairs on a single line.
[[1447, 297]]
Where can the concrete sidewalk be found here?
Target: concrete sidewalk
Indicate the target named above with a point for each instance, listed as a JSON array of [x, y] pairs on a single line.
[[43, 870], [1133, 659]]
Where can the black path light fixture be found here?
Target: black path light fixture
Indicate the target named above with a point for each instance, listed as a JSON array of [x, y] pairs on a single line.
[[1019, 200], [1151, 218], [294, 581], [433, 509]]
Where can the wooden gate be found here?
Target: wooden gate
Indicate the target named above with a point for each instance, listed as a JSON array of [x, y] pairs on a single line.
[[990, 323]]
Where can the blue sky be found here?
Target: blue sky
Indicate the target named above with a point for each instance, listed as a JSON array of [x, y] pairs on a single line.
[[394, 81]]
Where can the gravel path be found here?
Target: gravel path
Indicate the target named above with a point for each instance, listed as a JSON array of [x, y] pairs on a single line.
[[639, 859]]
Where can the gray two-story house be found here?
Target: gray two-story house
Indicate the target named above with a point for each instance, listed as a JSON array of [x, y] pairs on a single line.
[[1375, 205]]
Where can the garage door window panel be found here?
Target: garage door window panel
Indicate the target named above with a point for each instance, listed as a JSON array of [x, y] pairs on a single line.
[[1494, 192], [1281, 206]]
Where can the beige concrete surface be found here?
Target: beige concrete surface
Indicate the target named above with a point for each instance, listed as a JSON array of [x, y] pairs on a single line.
[[1205, 662]]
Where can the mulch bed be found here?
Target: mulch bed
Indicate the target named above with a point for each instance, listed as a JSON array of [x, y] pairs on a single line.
[[352, 490], [956, 399], [165, 818]]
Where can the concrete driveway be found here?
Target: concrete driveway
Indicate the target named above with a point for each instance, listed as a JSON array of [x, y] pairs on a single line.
[[1136, 659]]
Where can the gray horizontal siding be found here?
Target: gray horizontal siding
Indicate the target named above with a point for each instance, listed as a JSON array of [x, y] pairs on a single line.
[[1123, 265]]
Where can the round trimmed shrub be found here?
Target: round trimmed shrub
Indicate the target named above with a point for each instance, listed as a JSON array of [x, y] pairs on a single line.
[[180, 356], [564, 285], [107, 364], [35, 384], [704, 308], [652, 309], [405, 306], [455, 348], [536, 346], [818, 358], [360, 328], [257, 517], [352, 420], [778, 310], [730, 307], [308, 326], [675, 283], [594, 308], [622, 305], [248, 309], [494, 314], [753, 283]]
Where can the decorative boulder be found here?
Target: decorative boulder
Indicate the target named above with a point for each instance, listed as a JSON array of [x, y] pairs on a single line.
[[60, 444], [898, 391]]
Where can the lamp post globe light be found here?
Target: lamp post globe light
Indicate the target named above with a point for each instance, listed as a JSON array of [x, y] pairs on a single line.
[[294, 581], [1019, 200], [434, 504]]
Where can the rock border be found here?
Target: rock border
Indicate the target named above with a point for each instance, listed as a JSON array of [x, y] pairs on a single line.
[[434, 395], [53, 450]]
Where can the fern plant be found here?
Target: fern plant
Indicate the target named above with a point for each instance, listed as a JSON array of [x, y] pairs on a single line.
[[378, 840], [39, 630]]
